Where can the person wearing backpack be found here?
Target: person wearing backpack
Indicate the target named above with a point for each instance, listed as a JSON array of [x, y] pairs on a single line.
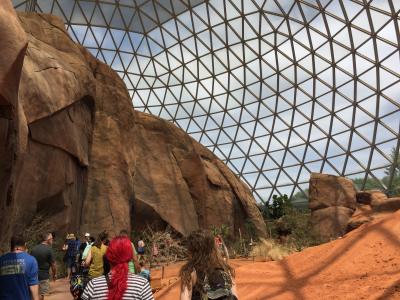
[[206, 275], [71, 248]]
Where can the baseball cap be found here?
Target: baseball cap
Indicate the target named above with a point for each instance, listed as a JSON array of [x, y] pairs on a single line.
[[87, 234]]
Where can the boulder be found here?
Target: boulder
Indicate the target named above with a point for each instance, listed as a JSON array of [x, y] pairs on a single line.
[[362, 215], [73, 148], [366, 213], [330, 191], [366, 197], [385, 204], [331, 222]]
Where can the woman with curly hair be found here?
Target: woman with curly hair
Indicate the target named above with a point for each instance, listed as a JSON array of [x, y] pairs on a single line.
[[119, 284], [206, 275]]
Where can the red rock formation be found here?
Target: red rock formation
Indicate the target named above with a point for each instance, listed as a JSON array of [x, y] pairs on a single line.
[[366, 197], [13, 43], [86, 157], [332, 200], [332, 221], [372, 204], [329, 190]]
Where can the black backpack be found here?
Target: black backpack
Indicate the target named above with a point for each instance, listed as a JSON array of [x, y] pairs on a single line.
[[217, 285]]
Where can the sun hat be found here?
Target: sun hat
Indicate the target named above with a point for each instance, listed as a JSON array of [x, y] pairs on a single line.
[[70, 236]]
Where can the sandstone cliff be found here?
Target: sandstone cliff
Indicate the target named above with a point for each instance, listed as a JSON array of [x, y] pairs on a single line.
[[72, 146]]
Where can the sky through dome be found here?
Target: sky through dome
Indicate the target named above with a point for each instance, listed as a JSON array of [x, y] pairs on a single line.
[[276, 89]]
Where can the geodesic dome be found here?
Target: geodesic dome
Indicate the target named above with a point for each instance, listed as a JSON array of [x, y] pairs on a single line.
[[276, 89]]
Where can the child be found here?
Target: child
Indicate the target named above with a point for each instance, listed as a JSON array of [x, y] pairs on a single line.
[[140, 249], [145, 273]]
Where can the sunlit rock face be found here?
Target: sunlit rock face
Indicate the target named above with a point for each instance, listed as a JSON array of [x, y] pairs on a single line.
[[332, 203], [72, 146], [372, 204], [13, 44]]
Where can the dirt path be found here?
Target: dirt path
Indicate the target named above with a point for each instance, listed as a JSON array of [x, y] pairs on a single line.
[[59, 290], [365, 264]]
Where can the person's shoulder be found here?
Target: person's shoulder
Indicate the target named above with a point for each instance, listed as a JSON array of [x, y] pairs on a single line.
[[99, 280], [47, 249], [36, 248], [29, 259], [134, 278], [4, 256], [41, 248], [28, 256]]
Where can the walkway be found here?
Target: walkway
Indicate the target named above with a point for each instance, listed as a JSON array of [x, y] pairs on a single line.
[[60, 290]]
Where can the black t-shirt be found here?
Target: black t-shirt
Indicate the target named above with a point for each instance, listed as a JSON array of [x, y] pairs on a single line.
[[45, 257]]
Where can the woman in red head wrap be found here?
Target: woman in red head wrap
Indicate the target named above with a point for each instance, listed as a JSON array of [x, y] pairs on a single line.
[[118, 284]]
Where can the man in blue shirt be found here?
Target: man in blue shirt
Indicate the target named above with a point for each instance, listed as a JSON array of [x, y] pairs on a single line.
[[18, 273]]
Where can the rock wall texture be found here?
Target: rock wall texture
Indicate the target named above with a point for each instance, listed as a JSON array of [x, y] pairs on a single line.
[[372, 204], [332, 201], [72, 146]]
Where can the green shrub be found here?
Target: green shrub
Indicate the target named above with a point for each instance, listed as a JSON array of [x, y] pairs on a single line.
[[278, 207], [223, 231], [294, 229], [289, 225]]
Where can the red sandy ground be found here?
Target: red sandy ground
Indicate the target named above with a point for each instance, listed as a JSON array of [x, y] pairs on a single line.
[[365, 264]]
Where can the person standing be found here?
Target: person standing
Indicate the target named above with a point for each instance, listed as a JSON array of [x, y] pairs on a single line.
[[119, 283], [45, 259], [223, 250], [89, 245], [94, 259], [140, 249], [133, 265], [82, 247], [144, 272], [18, 273], [206, 275], [154, 253], [71, 247]]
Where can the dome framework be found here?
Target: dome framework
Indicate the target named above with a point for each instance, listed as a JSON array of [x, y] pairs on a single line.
[[276, 89]]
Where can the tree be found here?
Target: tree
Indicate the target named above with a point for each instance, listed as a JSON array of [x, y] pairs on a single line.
[[395, 167], [278, 207], [370, 184], [393, 188], [300, 199]]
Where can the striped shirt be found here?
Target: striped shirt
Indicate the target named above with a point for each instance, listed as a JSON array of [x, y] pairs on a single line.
[[138, 289]]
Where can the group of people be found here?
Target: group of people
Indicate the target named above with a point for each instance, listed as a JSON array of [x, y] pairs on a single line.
[[113, 269], [89, 260]]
